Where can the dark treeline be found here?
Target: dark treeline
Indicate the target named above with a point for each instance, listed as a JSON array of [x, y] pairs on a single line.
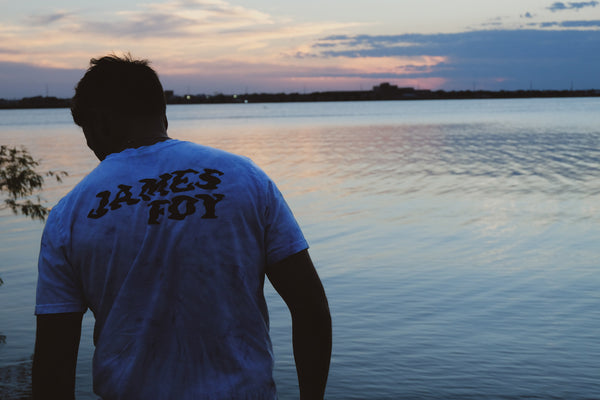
[[36, 102], [385, 91]]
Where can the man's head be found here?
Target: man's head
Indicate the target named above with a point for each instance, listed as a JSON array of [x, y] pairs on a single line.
[[120, 86], [116, 94]]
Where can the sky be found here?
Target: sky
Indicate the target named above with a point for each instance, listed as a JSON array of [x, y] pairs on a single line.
[[252, 46]]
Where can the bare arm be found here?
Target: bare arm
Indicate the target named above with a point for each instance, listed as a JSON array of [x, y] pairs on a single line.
[[55, 357], [297, 282]]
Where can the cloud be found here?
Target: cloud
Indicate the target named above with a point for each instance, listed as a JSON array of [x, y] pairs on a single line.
[[560, 6], [508, 56], [139, 26], [527, 15], [50, 18], [200, 29], [571, 24], [487, 44], [494, 22], [181, 37], [175, 18], [173, 33], [6, 51]]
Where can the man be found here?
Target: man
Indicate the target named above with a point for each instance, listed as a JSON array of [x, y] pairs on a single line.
[[168, 243]]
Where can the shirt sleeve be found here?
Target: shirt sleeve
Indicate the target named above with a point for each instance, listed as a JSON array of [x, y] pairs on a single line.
[[58, 287], [283, 236]]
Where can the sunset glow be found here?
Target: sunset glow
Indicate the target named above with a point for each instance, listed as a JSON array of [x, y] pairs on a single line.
[[214, 45]]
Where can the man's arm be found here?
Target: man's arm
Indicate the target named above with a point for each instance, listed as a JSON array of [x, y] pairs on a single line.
[[55, 357], [297, 282]]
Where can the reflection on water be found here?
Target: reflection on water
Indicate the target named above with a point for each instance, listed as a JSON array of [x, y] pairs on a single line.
[[15, 381], [457, 241]]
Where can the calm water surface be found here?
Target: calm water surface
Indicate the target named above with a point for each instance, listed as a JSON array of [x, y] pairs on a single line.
[[457, 240]]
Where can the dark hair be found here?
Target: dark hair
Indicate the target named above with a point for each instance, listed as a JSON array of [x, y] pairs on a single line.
[[121, 86]]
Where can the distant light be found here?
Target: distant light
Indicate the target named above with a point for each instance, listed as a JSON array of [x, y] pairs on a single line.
[[235, 96], [188, 97], [246, 101]]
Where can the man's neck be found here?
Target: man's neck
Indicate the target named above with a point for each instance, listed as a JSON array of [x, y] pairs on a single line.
[[145, 141], [141, 131], [113, 135]]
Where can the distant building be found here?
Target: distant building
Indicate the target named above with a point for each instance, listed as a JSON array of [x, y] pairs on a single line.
[[385, 87], [386, 90]]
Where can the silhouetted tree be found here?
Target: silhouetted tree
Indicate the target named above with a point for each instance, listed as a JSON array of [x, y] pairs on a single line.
[[19, 181]]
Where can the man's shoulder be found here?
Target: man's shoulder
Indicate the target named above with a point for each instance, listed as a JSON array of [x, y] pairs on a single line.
[[212, 152], [212, 155]]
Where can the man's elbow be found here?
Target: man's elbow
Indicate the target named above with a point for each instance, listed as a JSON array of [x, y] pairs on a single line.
[[315, 313]]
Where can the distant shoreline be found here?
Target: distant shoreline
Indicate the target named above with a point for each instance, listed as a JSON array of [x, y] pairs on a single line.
[[384, 91]]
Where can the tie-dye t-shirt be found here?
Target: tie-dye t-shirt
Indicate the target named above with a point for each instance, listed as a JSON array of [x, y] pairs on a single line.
[[167, 245]]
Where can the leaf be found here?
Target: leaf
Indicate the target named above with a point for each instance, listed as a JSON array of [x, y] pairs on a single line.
[[19, 180]]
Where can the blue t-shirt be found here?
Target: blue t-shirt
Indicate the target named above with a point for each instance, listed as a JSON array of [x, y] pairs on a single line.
[[167, 245]]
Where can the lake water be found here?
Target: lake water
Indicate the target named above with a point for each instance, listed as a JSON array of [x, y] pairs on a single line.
[[458, 241]]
